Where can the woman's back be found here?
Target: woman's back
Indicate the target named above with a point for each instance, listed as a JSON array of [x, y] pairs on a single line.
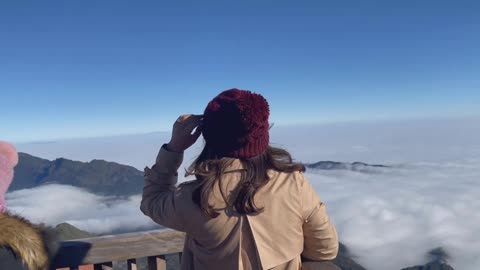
[[293, 221], [250, 206]]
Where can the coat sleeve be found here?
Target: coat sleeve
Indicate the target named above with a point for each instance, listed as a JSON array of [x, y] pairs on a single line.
[[160, 198], [9, 260], [320, 235]]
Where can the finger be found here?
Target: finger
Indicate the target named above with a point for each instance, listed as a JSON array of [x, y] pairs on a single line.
[[189, 117], [193, 120], [191, 127], [195, 116], [183, 117]]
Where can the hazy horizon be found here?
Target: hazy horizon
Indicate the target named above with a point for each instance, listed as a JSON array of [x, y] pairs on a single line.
[[343, 141]]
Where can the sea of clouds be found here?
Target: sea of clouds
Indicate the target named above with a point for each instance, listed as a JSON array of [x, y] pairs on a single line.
[[389, 219]]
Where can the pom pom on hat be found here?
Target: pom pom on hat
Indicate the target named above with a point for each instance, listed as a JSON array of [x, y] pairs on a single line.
[[8, 160], [235, 124]]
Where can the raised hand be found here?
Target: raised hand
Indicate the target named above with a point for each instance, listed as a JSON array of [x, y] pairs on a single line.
[[182, 137]]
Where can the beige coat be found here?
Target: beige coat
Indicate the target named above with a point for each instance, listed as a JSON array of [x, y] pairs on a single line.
[[294, 222]]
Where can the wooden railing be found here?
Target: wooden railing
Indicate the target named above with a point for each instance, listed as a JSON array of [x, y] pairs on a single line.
[[106, 251], [128, 251]]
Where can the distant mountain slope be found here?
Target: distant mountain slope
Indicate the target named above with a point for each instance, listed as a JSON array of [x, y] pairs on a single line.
[[65, 231], [438, 261], [355, 166], [97, 176], [345, 261], [431, 266]]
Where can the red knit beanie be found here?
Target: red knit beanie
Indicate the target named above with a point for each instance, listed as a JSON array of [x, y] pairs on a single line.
[[235, 124]]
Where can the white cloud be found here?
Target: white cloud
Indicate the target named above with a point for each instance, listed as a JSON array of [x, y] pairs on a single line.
[[54, 204], [392, 219]]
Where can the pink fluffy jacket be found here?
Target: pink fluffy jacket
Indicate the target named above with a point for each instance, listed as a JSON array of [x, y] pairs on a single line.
[[8, 160]]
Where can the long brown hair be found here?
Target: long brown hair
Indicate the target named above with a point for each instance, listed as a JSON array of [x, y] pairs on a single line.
[[209, 168]]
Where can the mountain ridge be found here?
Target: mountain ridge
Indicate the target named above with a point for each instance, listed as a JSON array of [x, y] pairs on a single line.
[[97, 176], [110, 178], [354, 166]]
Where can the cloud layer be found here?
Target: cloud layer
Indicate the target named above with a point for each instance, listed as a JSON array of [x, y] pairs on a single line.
[[392, 219], [54, 204], [389, 220]]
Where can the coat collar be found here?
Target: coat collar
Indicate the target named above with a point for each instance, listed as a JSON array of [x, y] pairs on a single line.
[[25, 239], [235, 166]]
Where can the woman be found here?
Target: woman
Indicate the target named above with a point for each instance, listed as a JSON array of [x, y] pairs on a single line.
[[250, 206], [23, 246]]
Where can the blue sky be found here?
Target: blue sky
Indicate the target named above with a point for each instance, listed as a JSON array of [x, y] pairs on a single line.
[[94, 68]]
